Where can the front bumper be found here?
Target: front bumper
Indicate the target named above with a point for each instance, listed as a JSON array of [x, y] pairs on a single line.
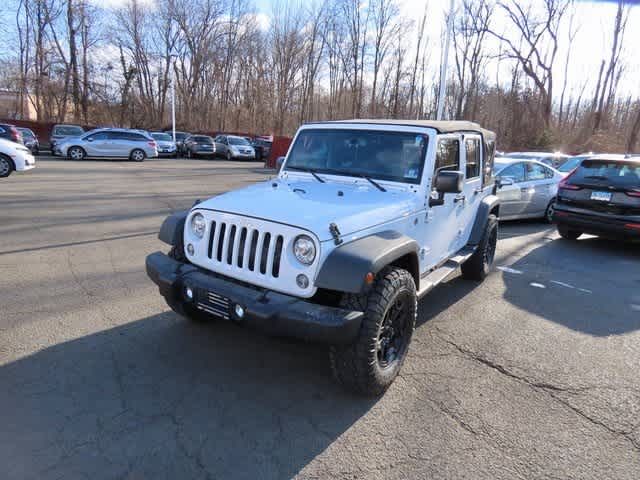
[[270, 312], [606, 226]]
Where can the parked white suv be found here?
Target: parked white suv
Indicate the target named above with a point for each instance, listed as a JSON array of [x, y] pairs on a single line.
[[110, 143], [365, 217], [14, 157]]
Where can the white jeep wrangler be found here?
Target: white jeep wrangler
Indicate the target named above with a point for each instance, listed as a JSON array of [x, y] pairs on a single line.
[[364, 218]]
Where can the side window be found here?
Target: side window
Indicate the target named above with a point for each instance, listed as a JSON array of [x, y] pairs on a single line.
[[535, 171], [489, 154], [447, 156], [2, 130], [548, 173], [472, 147], [515, 172], [98, 136]]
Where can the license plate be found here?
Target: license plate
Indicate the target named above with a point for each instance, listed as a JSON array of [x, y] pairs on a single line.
[[601, 196]]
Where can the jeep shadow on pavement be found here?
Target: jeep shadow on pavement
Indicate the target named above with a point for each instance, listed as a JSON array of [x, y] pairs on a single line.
[[364, 218]]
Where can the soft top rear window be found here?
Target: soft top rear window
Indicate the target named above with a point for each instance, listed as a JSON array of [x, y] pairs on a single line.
[[618, 174]]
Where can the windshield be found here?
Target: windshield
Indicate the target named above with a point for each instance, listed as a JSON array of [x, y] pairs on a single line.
[[200, 139], [394, 156], [67, 130], [238, 141], [164, 137], [625, 175], [27, 133]]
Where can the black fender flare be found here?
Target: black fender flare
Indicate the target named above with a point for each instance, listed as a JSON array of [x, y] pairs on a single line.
[[490, 203], [345, 268], [172, 228]]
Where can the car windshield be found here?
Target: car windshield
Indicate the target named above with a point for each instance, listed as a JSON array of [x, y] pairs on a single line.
[[394, 156], [238, 141], [68, 130], [27, 134], [200, 139], [625, 175], [164, 137]]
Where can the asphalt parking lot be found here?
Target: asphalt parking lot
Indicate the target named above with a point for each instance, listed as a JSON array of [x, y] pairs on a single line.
[[532, 374]]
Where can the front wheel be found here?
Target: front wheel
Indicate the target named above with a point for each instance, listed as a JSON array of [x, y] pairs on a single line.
[[370, 364], [478, 266], [76, 153], [137, 155], [229, 156], [6, 166]]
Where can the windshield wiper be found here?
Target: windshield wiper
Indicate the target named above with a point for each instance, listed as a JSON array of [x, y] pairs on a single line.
[[308, 170], [371, 181]]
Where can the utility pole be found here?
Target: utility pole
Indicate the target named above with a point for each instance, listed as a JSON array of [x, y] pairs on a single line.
[[173, 100], [445, 64]]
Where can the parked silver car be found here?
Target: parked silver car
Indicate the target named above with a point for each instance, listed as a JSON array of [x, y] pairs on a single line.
[[110, 143], [526, 188], [232, 147], [166, 145], [548, 158]]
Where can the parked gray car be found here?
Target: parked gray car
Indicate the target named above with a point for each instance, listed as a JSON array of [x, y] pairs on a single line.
[[232, 147], [110, 143], [62, 132], [527, 188], [166, 145]]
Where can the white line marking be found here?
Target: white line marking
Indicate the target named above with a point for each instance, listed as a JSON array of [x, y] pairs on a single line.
[[562, 284], [537, 285], [635, 307], [510, 270], [585, 290]]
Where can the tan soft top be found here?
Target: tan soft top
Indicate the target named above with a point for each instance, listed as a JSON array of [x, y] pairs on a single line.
[[441, 126]]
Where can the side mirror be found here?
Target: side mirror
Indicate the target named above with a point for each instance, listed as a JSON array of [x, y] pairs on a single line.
[[279, 163], [447, 181], [504, 181]]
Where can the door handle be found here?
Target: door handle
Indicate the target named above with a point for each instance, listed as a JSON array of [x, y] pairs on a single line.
[[459, 198]]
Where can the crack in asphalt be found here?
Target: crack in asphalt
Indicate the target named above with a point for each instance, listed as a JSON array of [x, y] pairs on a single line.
[[546, 387]]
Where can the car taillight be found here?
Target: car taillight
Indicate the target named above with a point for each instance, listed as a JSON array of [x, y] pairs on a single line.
[[635, 226], [567, 186], [634, 193], [152, 144]]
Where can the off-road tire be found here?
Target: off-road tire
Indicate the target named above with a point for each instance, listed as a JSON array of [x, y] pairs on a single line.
[[568, 234], [137, 155], [81, 154], [478, 266], [357, 366], [6, 166]]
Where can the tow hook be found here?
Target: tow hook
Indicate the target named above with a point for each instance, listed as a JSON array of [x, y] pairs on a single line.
[[335, 233]]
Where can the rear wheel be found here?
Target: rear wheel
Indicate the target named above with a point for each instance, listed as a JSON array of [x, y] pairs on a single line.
[[370, 364], [479, 264], [6, 166], [229, 156], [137, 155], [76, 153], [567, 233], [551, 208]]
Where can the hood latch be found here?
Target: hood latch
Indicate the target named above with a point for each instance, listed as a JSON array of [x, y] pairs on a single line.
[[335, 233]]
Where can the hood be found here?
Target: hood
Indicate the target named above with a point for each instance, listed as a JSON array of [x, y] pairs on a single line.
[[313, 205]]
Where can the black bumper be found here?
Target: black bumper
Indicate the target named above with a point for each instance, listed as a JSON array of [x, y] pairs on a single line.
[[597, 224], [270, 312]]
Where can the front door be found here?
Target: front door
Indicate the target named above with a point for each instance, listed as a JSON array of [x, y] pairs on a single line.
[[442, 235], [97, 144], [540, 183]]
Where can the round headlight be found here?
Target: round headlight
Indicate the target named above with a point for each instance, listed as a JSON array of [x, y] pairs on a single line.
[[304, 249], [198, 225]]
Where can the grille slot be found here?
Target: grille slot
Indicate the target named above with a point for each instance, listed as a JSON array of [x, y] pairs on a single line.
[[215, 304], [246, 248]]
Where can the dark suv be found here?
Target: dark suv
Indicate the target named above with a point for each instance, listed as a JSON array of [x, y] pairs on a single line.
[[10, 132], [600, 197]]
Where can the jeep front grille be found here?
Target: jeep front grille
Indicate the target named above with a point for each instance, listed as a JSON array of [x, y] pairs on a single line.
[[246, 248]]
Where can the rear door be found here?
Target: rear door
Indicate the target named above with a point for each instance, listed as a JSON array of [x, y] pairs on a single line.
[[511, 196], [471, 165], [537, 190]]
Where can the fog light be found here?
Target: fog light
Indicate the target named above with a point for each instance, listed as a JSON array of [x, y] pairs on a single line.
[[302, 281], [190, 249], [239, 311], [188, 292]]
